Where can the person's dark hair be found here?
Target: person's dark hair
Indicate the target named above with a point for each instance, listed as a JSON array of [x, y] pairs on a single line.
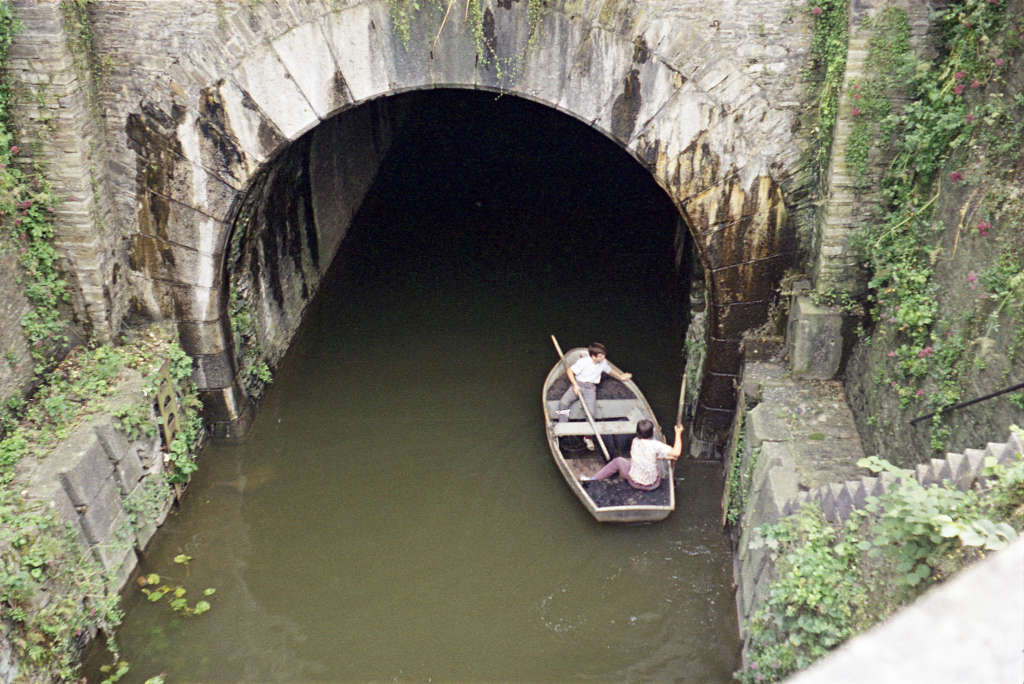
[[596, 348], [645, 429]]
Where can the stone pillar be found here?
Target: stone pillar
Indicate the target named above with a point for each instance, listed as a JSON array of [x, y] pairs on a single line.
[[814, 340], [57, 124]]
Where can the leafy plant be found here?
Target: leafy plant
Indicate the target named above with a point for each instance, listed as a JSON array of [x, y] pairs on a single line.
[[834, 581], [155, 590]]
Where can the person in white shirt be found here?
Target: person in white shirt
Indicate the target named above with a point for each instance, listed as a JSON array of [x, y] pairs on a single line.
[[640, 470], [585, 375]]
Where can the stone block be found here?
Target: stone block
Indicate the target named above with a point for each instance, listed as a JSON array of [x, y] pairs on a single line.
[[88, 470], [102, 513], [127, 467], [814, 340], [765, 424]]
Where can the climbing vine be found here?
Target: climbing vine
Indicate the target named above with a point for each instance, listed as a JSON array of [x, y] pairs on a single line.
[[962, 114], [478, 19], [828, 66], [27, 206]]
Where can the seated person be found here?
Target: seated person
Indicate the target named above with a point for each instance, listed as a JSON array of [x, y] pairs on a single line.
[[640, 470]]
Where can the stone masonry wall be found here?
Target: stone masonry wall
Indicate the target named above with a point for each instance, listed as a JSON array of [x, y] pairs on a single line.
[[196, 98], [108, 487], [57, 120]]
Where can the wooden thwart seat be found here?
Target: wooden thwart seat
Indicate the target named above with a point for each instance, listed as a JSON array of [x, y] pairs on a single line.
[[604, 427], [606, 408]]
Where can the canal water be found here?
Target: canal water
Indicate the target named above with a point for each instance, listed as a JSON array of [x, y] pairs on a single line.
[[394, 513]]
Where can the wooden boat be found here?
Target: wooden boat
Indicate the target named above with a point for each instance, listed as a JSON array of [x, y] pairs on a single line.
[[620, 406]]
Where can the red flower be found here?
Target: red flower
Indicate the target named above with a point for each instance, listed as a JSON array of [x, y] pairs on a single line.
[[958, 89], [960, 74], [983, 227], [956, 176], [816, 11], [855, 111]]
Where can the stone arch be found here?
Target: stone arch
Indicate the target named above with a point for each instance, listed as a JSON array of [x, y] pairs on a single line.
[[705, 131]]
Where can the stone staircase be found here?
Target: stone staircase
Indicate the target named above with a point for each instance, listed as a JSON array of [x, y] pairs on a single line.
[[964, 471]]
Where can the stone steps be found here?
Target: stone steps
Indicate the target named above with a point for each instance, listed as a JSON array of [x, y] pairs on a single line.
[[839, 499]]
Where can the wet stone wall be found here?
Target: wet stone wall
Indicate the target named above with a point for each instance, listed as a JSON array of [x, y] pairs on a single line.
[[195, 102]]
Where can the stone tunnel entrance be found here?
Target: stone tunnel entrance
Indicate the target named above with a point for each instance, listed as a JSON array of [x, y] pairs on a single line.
[[468, 189]]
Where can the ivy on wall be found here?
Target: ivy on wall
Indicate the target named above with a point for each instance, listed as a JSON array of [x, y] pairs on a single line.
[[475, 14], [960, 136]]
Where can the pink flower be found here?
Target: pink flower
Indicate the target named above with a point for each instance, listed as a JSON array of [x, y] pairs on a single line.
[[983, 227], [958, 89], [816, 11], [975, 83], [927, 351], [960, 74], [999, 61], [894, 384], [17, 221], [956, 176], [972, 279], [892, 354], [856, 96], [919, 393], [855, 111], [970, 118], [14, 149]]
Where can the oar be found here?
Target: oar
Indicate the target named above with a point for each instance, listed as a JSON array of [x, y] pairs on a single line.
[[579, 395], [682, 400]]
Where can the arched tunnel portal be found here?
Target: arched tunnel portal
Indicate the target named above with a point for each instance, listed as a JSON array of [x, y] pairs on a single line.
[[294, 132]]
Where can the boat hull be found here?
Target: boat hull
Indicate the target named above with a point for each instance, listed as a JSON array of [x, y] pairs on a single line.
[[620, 405]]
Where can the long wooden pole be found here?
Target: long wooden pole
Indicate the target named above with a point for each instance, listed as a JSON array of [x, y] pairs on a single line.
[[579, 394], [682, 400]]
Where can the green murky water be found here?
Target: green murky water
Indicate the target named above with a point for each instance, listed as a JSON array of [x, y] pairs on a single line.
[[394, 513]]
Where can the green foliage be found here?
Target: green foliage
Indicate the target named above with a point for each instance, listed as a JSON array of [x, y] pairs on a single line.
[[945, 123], [27, 207], [437, 12], [39, 553], [740, 478], [252, 368], [832, 582], [828, 68], [887, 67], [813, 605], [44, 554], [156, 589]]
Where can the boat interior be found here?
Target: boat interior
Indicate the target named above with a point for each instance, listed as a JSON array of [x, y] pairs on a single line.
[[615, 419]]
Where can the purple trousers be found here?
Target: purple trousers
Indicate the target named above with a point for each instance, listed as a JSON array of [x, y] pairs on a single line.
[[620, 466]]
